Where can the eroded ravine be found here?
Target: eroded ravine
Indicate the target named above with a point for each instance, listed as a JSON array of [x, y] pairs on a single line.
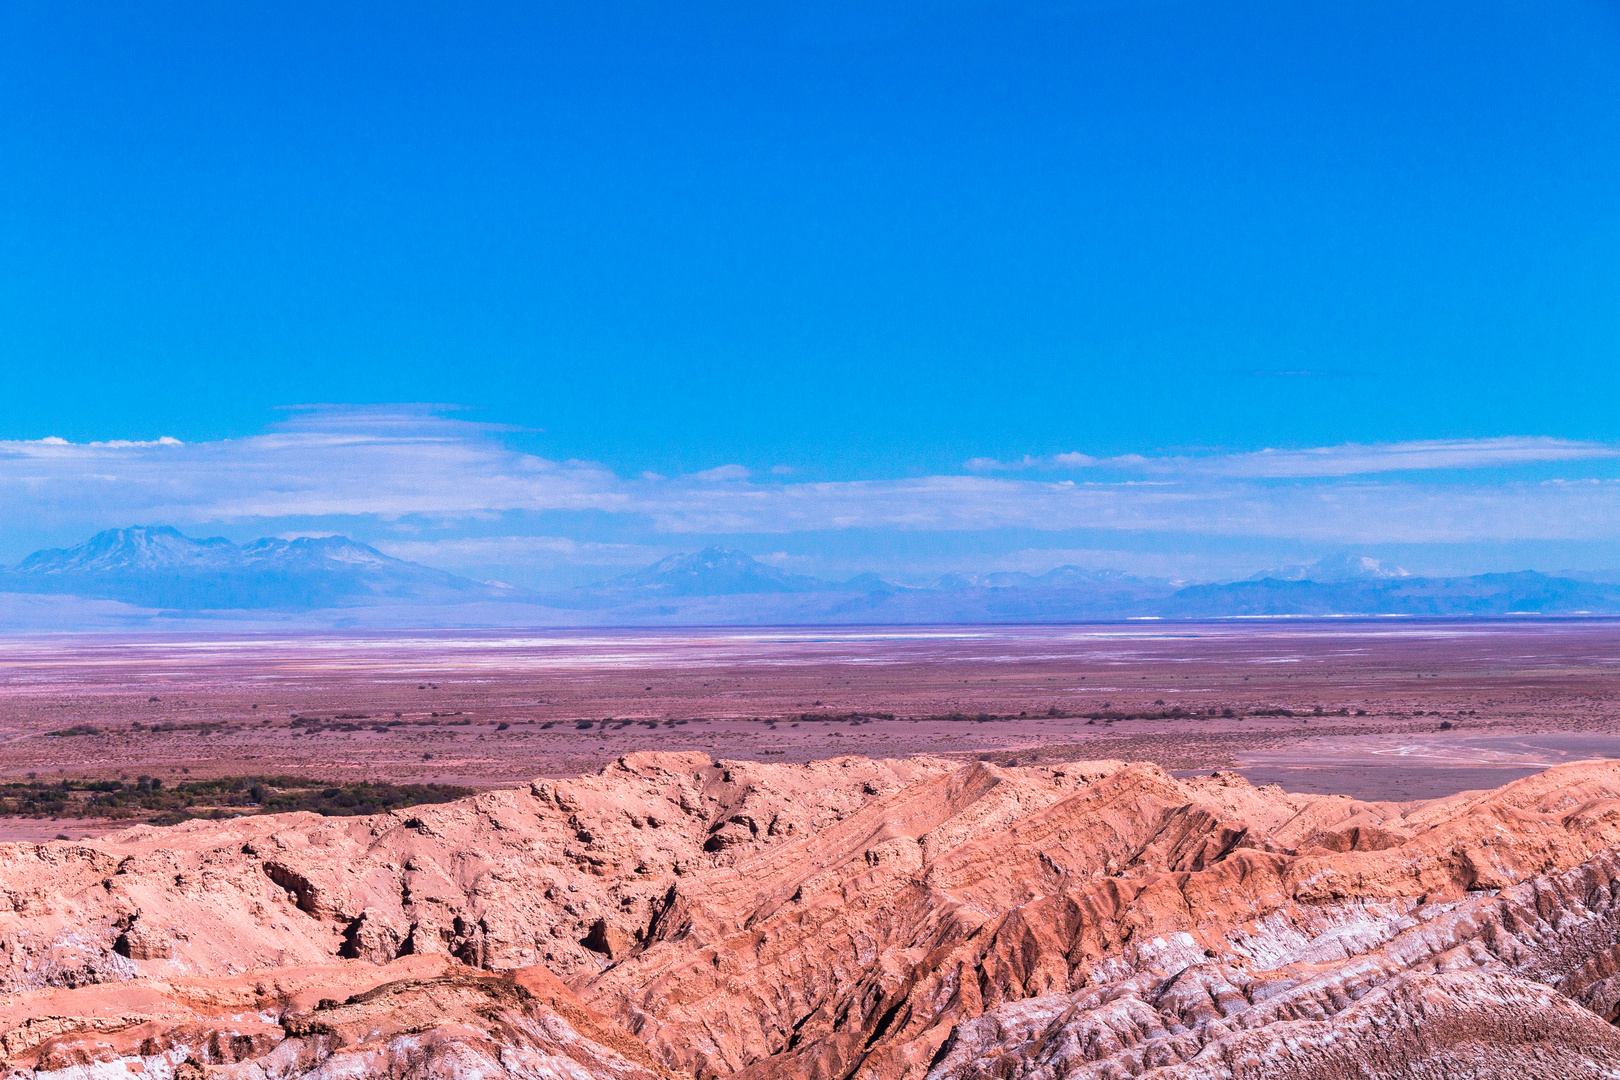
[[676, 916]]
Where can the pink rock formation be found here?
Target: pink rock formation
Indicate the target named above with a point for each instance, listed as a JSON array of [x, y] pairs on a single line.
[[673, 916]]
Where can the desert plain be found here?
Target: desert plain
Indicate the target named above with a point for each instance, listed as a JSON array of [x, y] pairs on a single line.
[[1388, 709], [1379, 848]]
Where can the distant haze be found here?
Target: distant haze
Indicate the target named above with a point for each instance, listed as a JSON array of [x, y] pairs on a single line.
[[156, 576], [432, 486]]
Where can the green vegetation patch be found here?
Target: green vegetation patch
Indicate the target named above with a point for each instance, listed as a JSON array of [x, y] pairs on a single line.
[[76, 729], [148, 797]]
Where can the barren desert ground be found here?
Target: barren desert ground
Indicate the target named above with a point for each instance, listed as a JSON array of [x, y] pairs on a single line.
[[909, 854], [1380, 709]]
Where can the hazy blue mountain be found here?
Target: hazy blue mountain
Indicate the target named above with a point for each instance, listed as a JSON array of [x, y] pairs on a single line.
[[1006, 579], [124, 576], [719, 587], [1527, 592], [871, 583], [1342, 567], [1608, 577], [1063, 577], [1076, 577], [159, 567], [139, 550], [956, 582], [714, 571]]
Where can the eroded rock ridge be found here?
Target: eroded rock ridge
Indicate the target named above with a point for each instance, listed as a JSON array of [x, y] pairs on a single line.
[[673, 916]]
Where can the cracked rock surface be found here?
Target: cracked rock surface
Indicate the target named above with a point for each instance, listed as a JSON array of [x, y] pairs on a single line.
[[674, 916]]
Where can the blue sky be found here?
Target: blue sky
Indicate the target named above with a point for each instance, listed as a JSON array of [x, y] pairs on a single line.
[[828, 272]]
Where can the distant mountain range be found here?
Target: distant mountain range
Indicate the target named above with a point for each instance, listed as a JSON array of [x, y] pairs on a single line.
[[158, 567], [711, 572], [152, 574], [1344, 567]]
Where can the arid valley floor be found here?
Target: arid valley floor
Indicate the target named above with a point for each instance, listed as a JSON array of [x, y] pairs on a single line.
[[1367, 700], [1359, 848]]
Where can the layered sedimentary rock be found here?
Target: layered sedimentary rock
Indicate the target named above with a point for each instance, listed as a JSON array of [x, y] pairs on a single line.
[[675, 916]]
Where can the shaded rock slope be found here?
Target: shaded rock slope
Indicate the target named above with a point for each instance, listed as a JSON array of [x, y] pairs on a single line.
[[673, 916]]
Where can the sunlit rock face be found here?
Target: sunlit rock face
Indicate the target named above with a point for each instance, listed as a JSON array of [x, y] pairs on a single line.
[[676, 916]]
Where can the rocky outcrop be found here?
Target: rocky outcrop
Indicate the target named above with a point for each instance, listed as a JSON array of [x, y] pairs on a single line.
[[427, 1017], [672, 915]]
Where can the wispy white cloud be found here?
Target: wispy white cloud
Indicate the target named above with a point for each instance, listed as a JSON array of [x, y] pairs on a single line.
[[1427, 455], [529, 549], [1362, 512], [721, 474], [406, 466], [1347, 459], [336, 462], [1072, 460]]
